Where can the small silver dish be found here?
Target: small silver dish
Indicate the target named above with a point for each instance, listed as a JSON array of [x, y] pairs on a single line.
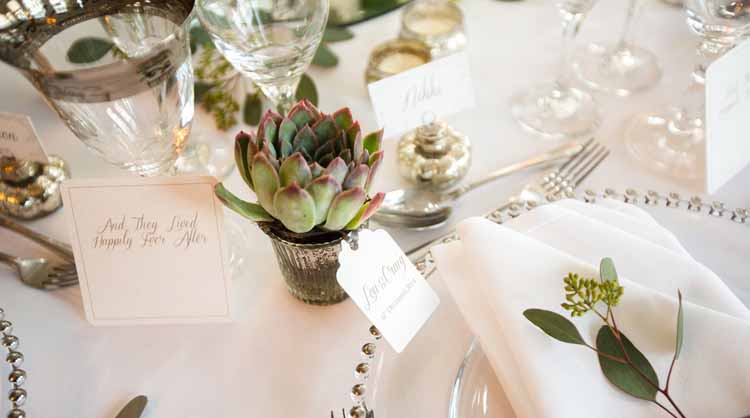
[[30, 190]]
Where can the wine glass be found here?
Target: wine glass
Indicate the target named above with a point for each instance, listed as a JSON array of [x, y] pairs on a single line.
[[672, 140], [270, 41], [621, 69], [556, 110]]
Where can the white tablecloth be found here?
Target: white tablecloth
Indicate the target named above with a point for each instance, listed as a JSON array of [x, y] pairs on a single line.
[[284, 358]]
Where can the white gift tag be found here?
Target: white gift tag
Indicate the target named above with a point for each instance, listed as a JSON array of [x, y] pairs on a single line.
[[386, 287], [727, 110], [19, 139], [436, 89]]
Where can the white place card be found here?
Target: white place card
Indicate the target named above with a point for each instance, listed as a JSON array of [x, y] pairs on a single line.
[[149, 251], [19, 139], [727, 115], [386, 287], [410, 99]]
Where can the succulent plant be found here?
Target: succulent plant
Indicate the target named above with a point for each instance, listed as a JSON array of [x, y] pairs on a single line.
[[308, 170]]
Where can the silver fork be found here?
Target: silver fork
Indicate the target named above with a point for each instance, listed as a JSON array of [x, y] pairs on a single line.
[[557, 184], [42, 274]]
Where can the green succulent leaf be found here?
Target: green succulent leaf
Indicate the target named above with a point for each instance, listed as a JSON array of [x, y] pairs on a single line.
[[287, 130], [343, 118], [357, 177], [295, 170], [366, 211], [285, 148], [305, 139], [325, 128], [265, 180], [300, 114], [607, 272], [555, 325], [241, 144], [252, 109], [622, 375], [306, 90], [680, 327], [373, 141], [337, 34], [316, 170], [338, 169], [343, 209], [88, 49], [324, 57], [251, 211], [295, 208], [374, 162], [323, 190]]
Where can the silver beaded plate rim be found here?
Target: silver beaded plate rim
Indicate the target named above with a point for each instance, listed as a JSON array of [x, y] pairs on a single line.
[[17, 377], [425, 264]]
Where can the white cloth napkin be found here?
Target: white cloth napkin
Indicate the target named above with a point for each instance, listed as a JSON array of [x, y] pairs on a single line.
[[496, 272]]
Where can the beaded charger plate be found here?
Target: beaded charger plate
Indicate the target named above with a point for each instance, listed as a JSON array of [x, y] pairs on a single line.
[[444, 372]]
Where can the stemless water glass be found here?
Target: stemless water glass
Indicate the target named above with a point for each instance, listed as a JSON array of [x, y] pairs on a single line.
[[672, 140], [556, 110], [118, 73], [621, 69], [270, 41]]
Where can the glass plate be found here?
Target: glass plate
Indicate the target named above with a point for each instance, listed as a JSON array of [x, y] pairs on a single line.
[[444, 372]]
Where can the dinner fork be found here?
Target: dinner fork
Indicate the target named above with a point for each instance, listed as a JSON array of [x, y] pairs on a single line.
[[40, 273], [557, 184]]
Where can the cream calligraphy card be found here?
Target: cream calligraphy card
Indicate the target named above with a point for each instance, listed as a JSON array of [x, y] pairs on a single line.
[[19, 139], [415, 97], [149, 251], [727, 115]]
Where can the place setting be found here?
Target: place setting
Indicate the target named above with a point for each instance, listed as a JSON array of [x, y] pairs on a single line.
[[450, 238]]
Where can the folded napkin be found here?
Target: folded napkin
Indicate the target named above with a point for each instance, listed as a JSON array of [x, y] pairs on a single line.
[[496, 272]]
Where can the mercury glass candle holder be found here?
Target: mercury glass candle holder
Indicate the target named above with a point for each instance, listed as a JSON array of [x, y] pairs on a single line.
[[396, 56], [437, 23]]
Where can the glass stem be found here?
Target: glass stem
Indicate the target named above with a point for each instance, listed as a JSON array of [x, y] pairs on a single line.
[[571, 23], [627, 29], [282, 94]]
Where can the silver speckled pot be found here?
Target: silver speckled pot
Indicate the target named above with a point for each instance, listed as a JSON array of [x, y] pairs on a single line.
[[308, 263]]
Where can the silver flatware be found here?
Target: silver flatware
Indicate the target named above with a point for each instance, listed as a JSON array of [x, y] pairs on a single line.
[[58, 247], [40, 273], [554, 185], [423, 209], [134, 408]]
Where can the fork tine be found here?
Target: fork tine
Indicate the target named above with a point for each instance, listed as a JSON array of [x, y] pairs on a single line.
[[51, 285], [65, 267], [581, 159], [576, 155], [598, 160]]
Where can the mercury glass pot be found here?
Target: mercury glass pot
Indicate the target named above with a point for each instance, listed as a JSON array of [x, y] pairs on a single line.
[[437, 23]]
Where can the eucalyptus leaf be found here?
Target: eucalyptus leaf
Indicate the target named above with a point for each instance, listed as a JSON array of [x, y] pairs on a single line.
[[307, 90], [324, 57], [555, 325], [252, 109], [200, 89], [680, 327], [252, 211], [337, 34], [607, 272], [199, 37], [89, 49], [622, 375]]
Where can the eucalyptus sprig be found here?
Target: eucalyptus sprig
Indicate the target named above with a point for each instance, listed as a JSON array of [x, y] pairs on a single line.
[[620, 361]]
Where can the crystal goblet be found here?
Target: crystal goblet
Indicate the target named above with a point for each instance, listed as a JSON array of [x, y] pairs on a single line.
[[269, 41], [556, 110], [672, 140], [620, 69]]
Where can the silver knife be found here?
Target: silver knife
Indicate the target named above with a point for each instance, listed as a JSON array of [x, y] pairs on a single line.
[[60, 248], [134, 408]]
